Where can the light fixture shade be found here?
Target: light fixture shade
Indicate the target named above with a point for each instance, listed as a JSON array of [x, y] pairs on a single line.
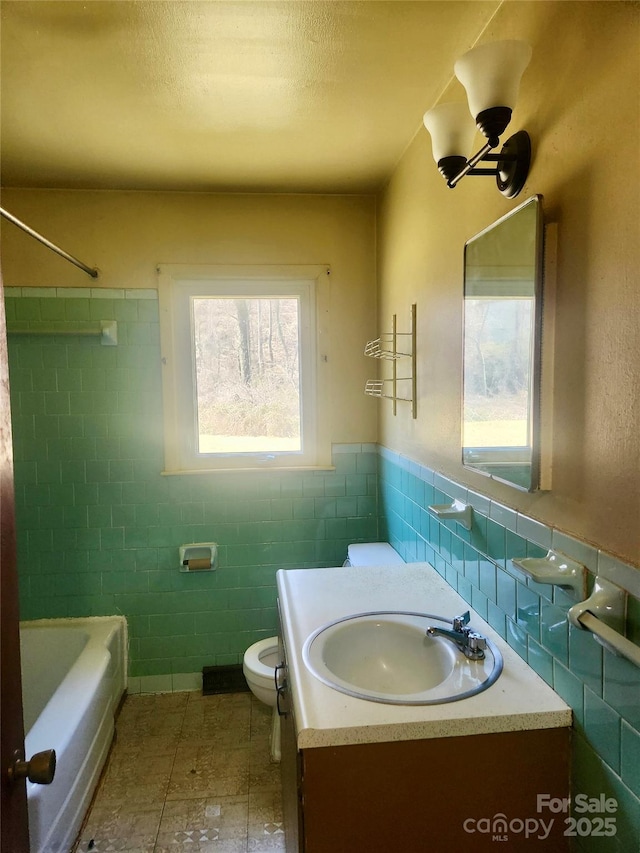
[[491, 74], [451, 129]]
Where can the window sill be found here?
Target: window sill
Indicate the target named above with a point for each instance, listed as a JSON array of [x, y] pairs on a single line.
[[257, 470]]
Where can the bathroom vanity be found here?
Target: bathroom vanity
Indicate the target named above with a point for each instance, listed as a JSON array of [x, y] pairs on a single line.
[[361, 775]]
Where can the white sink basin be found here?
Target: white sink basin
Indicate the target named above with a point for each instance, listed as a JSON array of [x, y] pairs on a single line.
[[386, 656]]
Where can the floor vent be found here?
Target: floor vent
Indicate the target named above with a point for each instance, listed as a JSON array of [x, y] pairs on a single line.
[[223, 679]]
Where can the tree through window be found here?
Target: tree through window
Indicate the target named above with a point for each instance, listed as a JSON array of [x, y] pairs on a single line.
[[247, 369]]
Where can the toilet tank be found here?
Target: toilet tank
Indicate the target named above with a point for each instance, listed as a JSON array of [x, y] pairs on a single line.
[[372, 554]]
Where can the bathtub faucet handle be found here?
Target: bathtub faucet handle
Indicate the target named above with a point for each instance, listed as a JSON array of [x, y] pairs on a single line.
[[41, 768]]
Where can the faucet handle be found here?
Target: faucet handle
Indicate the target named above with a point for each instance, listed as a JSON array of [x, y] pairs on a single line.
[[476, 642], [460, 621]]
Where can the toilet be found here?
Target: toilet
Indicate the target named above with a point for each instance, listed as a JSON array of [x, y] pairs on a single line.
[[260, 659], [259, 668]]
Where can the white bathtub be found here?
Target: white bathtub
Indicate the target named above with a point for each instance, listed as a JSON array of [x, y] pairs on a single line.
[[73, 676]]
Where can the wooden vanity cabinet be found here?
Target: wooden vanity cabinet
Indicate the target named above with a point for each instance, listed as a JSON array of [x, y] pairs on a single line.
[[414, 796]]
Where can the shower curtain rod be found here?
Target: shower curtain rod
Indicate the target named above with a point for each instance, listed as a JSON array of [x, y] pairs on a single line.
[[89, 270]]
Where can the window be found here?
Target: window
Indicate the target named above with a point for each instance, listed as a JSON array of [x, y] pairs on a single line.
[[243, 383]]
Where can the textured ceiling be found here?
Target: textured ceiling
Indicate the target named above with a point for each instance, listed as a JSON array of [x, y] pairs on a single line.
[[222, 96]]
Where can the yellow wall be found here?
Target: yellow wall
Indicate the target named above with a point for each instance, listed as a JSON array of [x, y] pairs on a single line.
[[579, 102], [127, 234]]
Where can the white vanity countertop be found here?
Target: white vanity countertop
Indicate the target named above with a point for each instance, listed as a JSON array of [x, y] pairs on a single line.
[[309, 598]]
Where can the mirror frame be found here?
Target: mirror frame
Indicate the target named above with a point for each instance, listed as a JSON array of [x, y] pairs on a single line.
[[534, 415]]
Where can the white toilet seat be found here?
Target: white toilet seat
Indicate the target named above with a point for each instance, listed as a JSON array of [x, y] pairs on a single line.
[[255, 654]]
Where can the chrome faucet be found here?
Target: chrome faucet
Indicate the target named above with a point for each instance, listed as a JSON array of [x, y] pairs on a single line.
[[470, 643]]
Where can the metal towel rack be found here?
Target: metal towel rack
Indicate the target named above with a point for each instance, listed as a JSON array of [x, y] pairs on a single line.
[[386, 348]]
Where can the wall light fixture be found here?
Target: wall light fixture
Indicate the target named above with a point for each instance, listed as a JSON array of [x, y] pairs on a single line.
[[491, 75]]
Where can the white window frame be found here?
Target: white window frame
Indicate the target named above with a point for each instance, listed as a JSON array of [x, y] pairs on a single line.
[[177, 286]]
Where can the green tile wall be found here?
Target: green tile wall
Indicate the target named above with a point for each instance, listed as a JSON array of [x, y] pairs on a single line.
[[603, 690], [99, 527]]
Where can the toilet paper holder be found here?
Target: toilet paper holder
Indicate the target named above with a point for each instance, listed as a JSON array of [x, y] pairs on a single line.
[[198, 557]]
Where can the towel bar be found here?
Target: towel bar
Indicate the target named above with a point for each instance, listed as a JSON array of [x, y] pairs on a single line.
[[613, 641], [603, 613]]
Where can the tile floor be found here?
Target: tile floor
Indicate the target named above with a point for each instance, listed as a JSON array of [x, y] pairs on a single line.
[[188, 773]]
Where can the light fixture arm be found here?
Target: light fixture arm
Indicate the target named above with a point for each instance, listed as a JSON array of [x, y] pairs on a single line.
[[472, 161], [512, 164]]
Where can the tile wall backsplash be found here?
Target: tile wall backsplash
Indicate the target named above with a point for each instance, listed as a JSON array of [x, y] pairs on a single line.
[[99, 527], [602, 689]]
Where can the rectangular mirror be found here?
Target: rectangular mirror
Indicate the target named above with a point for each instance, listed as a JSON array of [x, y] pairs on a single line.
[[502, 333]]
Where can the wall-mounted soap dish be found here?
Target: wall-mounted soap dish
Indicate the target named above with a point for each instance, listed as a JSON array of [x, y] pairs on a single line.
[[457, 511], [556, 568]]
